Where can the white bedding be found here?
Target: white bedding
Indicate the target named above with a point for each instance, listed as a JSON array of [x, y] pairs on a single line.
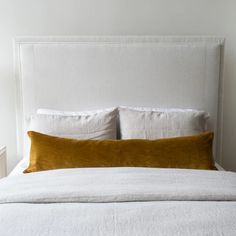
[[119, 201]]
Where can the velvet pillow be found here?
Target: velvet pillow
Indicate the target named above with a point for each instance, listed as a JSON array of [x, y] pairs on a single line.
[[49, 152]]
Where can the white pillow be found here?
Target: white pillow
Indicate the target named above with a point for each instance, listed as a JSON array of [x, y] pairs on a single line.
[[154, 123], [96, 125]]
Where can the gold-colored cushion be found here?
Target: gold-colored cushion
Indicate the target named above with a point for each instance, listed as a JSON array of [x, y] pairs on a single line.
[[48, 152]]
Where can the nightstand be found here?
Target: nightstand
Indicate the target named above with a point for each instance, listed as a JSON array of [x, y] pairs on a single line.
[[3, 162]]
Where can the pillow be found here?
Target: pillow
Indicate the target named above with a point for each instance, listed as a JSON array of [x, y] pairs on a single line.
[[48, 152], [160, 123], [93, 125]]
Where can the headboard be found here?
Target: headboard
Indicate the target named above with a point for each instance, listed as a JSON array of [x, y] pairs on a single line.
[[83, 73]]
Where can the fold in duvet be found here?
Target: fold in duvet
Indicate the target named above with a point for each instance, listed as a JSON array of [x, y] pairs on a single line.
[[119, 185]]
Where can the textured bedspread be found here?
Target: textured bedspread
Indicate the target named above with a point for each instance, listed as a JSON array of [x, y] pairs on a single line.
[[119, 201]]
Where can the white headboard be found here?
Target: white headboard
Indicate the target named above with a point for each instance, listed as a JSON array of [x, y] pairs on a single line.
[[83, 73]]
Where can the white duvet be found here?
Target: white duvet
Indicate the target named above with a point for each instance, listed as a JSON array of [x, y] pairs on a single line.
[[119, 201]]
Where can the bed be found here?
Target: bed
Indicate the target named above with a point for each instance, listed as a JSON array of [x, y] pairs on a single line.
[[86, 73]]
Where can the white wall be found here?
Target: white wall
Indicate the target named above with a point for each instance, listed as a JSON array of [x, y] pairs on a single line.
[[114, 17]]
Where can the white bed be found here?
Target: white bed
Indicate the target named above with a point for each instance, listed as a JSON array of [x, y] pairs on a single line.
[[97, 72]]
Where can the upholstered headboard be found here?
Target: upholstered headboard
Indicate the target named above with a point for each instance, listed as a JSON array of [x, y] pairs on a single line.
[[83, 73]]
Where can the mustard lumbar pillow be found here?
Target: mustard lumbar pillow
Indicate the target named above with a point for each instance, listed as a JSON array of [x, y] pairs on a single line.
[[49, 152]]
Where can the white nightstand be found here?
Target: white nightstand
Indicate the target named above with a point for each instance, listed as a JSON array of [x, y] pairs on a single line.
[[3, 162]]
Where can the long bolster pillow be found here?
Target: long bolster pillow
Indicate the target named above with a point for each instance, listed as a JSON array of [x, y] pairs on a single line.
[[49, 152]]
